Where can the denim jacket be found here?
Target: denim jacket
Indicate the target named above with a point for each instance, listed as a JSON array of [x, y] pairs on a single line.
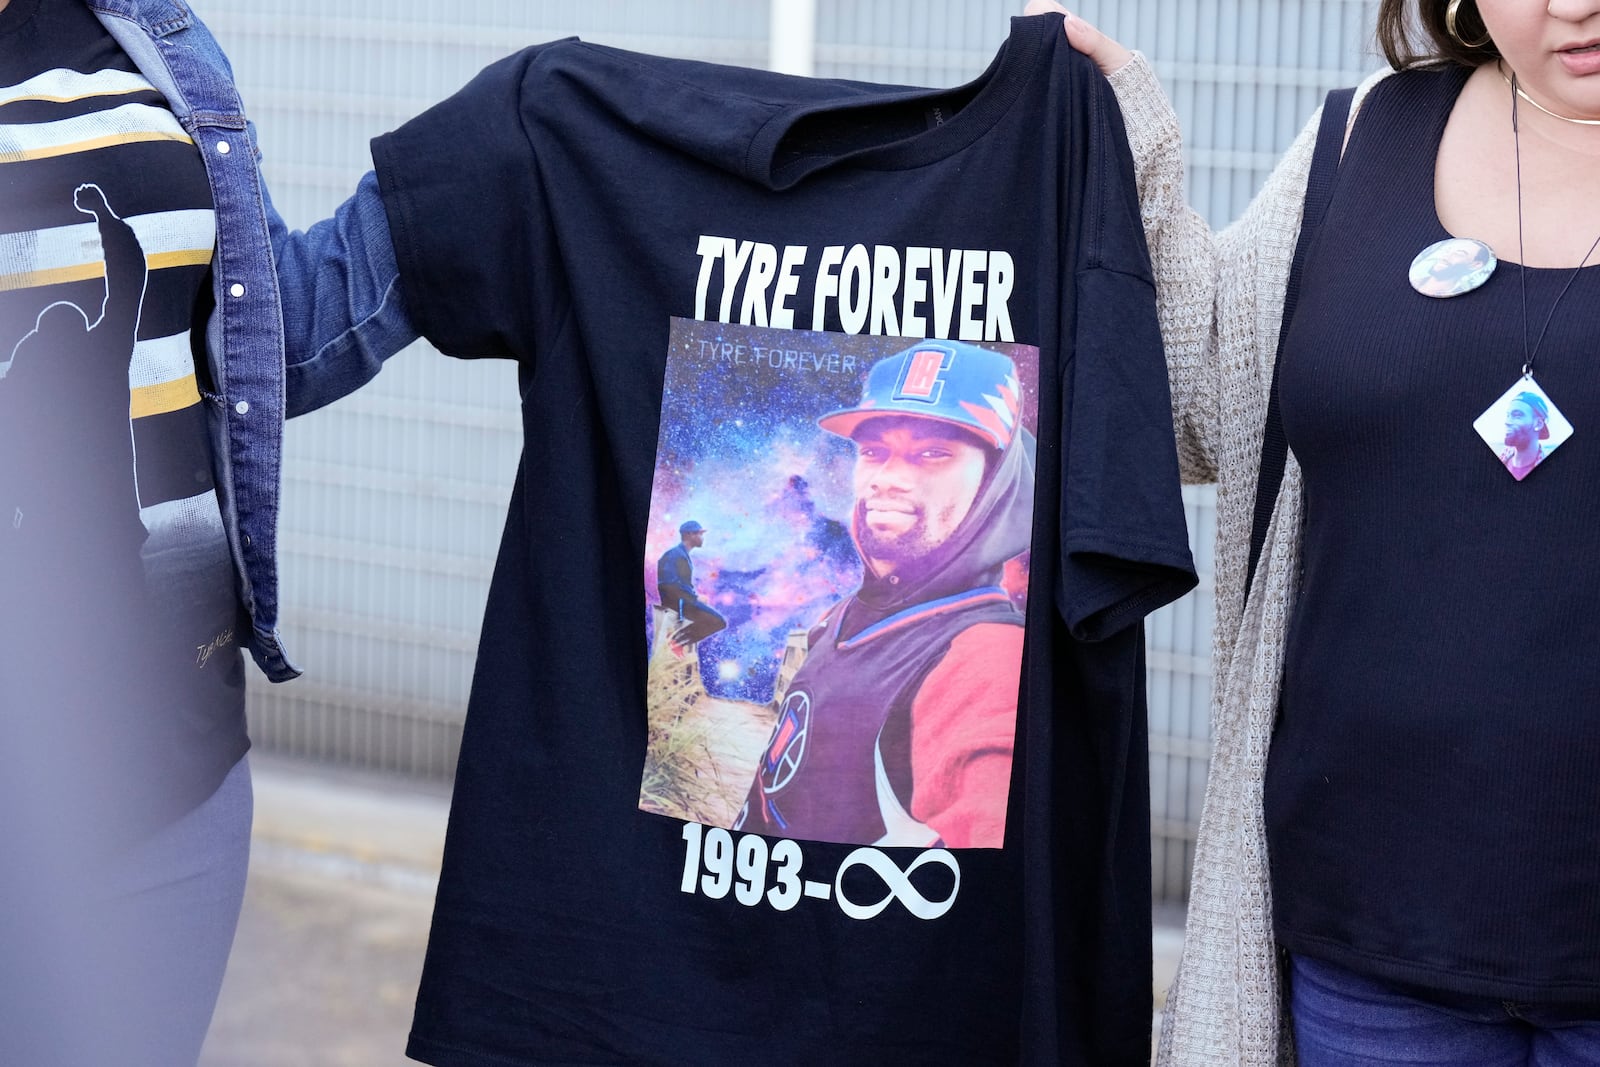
[[300, 319]]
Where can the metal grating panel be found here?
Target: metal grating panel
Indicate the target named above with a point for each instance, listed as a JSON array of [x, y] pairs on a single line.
[[394, 498]]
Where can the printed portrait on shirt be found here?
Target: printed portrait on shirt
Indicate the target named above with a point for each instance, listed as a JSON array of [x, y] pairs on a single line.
[[836, 581], [105, 442]]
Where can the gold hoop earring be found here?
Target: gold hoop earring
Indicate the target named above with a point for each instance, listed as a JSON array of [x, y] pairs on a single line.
[[1450, 11]]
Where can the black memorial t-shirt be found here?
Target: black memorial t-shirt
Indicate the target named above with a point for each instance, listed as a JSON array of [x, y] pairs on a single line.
[[120, 673], [895, 351]]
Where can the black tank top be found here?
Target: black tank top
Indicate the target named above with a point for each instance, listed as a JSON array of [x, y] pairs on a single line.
[[1433, 789]]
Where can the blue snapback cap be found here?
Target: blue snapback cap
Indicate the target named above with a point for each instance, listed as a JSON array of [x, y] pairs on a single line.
[[957, 383]]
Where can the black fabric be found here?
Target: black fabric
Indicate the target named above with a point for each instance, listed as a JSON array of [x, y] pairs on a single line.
[[1430, 792], [121, 685], [568, 242], [1319, 187]]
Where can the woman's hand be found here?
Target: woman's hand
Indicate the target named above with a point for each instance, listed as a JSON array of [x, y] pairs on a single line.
[[1107, 54]]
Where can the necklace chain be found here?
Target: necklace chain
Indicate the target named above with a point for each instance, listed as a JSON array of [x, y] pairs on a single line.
[[1511, 80], [1522, 256]]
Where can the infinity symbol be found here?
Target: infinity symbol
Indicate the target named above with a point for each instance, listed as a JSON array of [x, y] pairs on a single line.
[[898, 884]]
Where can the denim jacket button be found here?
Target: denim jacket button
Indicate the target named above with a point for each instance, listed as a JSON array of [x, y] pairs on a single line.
[[242, 407], [236, 289], [223, 148]]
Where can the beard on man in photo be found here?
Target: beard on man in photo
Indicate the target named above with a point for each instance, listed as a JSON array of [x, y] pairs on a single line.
[[920, 537]]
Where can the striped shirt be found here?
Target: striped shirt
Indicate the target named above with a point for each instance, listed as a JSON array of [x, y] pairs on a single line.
[[106, 456]]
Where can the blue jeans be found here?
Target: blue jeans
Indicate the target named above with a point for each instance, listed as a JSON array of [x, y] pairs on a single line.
[[700, 621], [118, 959], [1342, 1019]]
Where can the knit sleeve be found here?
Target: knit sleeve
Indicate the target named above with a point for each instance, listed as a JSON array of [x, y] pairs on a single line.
[[1206, 283]]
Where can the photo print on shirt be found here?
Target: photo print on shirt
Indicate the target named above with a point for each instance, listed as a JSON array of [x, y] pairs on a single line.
[[836, 575]]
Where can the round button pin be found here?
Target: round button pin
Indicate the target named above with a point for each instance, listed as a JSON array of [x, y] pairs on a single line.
[[1451, 267]]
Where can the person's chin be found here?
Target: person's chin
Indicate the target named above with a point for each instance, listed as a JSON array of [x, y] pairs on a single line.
[[885, 549], [899, 550]]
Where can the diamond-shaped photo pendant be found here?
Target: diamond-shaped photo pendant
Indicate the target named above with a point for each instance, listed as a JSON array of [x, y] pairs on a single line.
[[1523, 427]]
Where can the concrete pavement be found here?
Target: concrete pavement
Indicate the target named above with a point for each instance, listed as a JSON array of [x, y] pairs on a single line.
[[367, 827], [325, 964], [344, 867]]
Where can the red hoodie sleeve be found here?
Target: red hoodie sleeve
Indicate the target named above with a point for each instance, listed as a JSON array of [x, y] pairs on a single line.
[[963, 732]]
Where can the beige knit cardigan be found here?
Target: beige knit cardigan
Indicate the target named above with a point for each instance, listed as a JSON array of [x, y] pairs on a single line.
[[1220, 301]]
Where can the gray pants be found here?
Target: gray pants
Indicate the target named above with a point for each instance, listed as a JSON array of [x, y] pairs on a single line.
[[117, 959]]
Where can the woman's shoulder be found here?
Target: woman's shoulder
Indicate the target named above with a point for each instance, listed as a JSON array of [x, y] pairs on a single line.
[[1388, 88]]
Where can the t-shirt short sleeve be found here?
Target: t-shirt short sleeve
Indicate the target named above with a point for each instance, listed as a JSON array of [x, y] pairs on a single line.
[[1124, 539], [462, 197]]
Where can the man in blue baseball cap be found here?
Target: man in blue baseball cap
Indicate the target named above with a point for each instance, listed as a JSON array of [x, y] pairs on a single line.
[[899, 727], [675, 581]]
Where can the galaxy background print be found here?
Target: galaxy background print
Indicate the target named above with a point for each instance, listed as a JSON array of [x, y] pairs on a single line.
[[740, 452]]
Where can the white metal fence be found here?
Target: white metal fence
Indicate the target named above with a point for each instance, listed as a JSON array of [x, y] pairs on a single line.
[[394, 498]]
